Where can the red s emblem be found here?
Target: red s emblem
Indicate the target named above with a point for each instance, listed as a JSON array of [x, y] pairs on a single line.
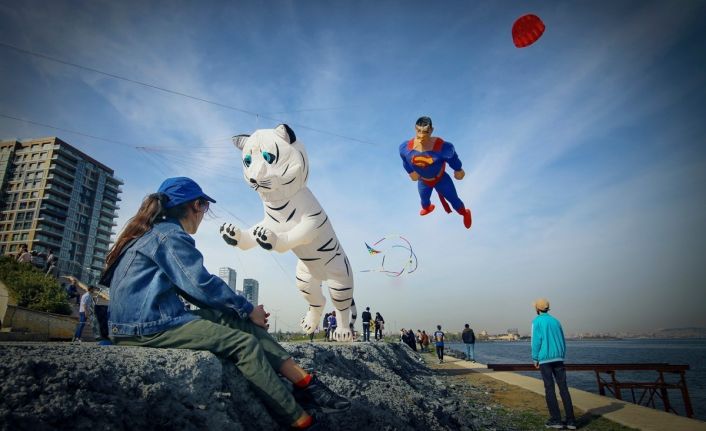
[[422, 161]]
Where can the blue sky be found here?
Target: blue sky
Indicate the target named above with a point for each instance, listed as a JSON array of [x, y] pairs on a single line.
[[585, 152]]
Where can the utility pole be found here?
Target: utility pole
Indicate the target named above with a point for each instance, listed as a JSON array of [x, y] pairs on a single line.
[[275, 312]]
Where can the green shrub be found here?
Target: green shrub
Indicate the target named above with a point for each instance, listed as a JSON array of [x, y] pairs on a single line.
[[32, 289]]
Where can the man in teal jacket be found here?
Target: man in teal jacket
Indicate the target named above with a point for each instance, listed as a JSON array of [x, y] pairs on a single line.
[[548, 351]]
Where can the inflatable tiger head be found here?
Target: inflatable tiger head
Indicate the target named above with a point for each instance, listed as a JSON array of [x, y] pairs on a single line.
[[274, 162]]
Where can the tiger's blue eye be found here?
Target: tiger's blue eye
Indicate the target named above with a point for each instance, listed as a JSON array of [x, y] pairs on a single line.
[[247, 160], [269, 157]]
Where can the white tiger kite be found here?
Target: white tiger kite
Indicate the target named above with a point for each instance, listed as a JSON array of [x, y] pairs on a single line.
[[276, 166]]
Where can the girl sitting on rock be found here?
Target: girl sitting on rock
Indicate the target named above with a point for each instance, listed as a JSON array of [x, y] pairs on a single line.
[[155, 261]]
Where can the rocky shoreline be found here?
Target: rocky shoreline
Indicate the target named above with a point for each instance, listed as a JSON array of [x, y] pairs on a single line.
[[56, 386]]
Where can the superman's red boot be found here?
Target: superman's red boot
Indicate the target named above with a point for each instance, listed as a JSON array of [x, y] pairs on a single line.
[[427, 210], [467, 220]]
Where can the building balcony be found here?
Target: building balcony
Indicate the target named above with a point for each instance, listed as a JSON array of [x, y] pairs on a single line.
[[60, 179], [51, 232], [108, 221], [104, 228], [100, 248], [112, 198], [110, 204], [104, 238], [58, 190], [63, 161], [60, 170], [50, 220], [53, 211], [109, 185], [47, 241], [55, 199], [107, 211]]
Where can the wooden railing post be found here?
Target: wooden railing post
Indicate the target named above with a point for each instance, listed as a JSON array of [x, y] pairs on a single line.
[[616, 386], [664, 393], [685, 395]]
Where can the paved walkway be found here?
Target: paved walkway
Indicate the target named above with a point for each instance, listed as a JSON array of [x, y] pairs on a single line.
[[622, 412]]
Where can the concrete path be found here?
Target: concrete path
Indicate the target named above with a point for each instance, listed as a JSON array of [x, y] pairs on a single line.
[[622, 412]]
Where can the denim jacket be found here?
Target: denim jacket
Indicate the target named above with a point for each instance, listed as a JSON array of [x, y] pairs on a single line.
[[151, 274]]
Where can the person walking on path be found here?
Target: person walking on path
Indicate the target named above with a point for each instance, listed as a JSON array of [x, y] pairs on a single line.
[[332, 324], [469, 339], [548, 352], [424, 341], [313, 334], [325, 324], [154, 262], [24, 256], [367, 317], [85, 311], [72, 292], [411, 340], [50, 265], [439, 340], [379, 324]]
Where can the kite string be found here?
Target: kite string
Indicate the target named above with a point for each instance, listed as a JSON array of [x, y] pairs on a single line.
[[411, 259]]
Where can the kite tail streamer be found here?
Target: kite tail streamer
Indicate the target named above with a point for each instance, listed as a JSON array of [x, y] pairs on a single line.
[[444, 204]]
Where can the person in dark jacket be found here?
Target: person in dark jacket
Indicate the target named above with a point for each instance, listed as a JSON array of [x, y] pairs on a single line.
[[326, 327], [548, 351], [439, 337], [411, 340], [469, 339], [379, 325], [367, 317], [332, 324], [72, 292]]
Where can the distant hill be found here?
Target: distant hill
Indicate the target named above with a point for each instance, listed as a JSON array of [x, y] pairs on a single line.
[[691, 332]]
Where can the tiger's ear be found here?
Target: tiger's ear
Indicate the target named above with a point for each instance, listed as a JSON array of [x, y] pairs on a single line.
[[286, 133], [239, 141]]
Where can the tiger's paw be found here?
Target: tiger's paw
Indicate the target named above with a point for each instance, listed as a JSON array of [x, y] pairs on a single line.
[[265, 237], [311, 320], [230, 234], [342, 334]]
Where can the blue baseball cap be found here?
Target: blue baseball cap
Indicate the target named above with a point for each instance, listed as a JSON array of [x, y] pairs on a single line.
[[180, 190]]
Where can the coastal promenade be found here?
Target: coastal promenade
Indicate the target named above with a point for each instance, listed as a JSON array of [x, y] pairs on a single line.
[[622, 412]]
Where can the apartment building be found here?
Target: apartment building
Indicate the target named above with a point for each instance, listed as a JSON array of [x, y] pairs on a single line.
[[251, 290], [228, 275], [55, 197]]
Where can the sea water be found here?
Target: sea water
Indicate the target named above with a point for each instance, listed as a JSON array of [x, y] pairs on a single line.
[[672, 351]]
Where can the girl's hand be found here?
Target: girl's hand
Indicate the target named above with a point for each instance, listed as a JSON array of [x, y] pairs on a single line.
[[259, 316]]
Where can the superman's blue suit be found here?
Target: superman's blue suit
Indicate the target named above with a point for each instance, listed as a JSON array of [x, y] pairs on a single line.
[[431, 167]]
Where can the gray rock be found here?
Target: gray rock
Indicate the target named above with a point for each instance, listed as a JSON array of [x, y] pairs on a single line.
[[48, 386]]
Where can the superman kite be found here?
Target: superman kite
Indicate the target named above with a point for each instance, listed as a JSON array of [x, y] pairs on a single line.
[[424, 158]]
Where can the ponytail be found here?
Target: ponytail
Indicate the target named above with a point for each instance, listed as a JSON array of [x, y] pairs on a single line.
[[151, 211], [152, 207]]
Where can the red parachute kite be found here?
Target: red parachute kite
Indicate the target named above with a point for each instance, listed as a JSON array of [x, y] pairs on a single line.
[[526, 30]]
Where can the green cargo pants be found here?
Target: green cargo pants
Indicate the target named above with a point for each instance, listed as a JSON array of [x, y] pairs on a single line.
[[256, 354]]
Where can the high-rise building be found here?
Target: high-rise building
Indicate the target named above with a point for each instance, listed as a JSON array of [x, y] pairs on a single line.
[[250, 290], [229, 276], [55, 197]]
